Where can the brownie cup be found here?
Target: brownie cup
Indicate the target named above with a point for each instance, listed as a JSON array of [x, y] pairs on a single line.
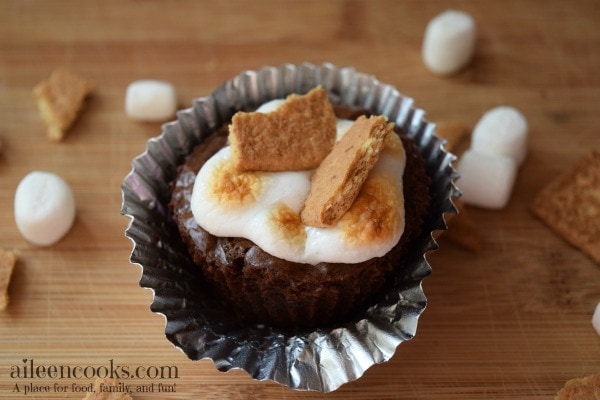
[[200, 324], [263, 288]]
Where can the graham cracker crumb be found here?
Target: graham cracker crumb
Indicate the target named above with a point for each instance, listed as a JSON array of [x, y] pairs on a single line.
[[454, 132], [586, 388], [570, 205], [339, 178], [106, 383], [296, 136], [462, 230], [60, 98], [8, 259]]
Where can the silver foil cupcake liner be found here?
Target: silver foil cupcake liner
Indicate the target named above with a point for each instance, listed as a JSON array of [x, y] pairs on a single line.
[[198, 323]]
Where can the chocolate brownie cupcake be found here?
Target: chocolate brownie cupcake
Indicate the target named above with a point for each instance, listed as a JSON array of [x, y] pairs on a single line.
[[264, 288], [201, 324]]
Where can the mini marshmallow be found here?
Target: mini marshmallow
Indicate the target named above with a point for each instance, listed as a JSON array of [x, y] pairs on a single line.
[[486, 180], [596, 319], [150, 100], [449, 42], [44, 208], [501, 131]]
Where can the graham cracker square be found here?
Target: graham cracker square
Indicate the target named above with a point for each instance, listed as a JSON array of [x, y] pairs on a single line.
[[570, 205]]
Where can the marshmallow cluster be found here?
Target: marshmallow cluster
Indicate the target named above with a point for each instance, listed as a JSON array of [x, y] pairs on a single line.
[[488, 169], [449, 42], [44, 208], [264, 207], [150, 100]]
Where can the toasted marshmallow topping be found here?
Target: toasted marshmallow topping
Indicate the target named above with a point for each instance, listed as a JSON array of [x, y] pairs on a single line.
[[232, 188], [265, 207]]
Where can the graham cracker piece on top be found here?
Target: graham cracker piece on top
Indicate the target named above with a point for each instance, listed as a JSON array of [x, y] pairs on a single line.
[[570, 205], [339, 178], [296, 136], [586, 388], [8, 259], [60, 98], [102, 390], [462, 230]]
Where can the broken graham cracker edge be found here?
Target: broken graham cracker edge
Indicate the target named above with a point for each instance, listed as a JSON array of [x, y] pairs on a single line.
[[570, 205], [461, 229], [8, 260], [586, 388], [60, 98], [289, 138], [338, 180], [453, 132], [296, 136]]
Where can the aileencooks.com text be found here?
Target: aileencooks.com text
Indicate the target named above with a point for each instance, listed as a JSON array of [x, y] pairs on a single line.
[[28, 368]]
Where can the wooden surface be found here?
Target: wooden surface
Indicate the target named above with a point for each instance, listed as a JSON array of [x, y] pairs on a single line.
[[512, 321]]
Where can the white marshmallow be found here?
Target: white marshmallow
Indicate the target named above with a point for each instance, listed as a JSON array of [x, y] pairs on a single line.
[[486, 180], [150, 100], [596, 319], [449, 42], [44, 208], [270, 106], [501, 131]]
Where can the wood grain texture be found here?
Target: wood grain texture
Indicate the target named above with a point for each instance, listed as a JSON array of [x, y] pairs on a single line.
[[512, 321]]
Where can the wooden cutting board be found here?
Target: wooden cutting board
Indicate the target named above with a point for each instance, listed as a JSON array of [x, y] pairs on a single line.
[[509, 321]]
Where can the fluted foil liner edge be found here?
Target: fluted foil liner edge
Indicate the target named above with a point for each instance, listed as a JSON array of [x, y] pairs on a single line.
[[320, 360]]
